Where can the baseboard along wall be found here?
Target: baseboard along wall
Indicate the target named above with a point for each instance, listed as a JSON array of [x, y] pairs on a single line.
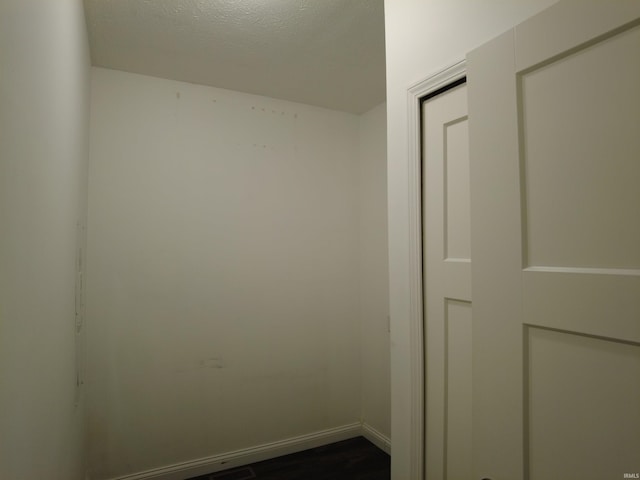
[[378, 439], [238, 458]]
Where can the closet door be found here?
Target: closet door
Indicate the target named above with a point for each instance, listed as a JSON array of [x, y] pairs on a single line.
[[447, 274], [554, 108]]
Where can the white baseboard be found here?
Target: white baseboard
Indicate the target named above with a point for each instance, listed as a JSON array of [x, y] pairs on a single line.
[[238, 458], [378, 439]]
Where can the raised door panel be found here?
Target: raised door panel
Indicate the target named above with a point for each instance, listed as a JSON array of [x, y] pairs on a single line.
[[457, 241], [583, 411], [458, 369], [580, 128]]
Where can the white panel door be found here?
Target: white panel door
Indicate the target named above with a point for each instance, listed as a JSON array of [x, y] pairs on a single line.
[[447, 274], [554, 108]]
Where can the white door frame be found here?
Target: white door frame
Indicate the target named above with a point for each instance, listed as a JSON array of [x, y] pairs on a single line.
[[415, 94]]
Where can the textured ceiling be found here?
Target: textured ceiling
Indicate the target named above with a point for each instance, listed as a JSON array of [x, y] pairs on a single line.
[[328, 53]]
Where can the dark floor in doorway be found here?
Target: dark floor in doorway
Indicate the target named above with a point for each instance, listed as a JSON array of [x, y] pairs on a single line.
[[353, 459]]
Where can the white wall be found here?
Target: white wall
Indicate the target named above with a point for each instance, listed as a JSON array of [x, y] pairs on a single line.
[[224, 271], [374, 278], [44, 100], [422, 37]]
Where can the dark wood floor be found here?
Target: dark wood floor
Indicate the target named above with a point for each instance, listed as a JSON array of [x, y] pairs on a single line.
[[353, 459]]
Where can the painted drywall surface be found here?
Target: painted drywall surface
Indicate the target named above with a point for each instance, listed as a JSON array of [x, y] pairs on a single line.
[[44, 111], [374, 286], [423, 37], [223, 271]]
